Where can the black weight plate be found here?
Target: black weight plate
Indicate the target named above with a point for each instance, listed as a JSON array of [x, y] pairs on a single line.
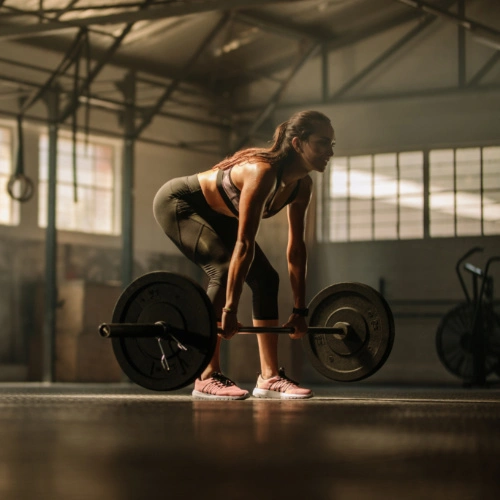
[[371, 333], [454, 341], [179, 302]]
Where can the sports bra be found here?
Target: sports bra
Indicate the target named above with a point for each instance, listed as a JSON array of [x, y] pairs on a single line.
[[231, 194]]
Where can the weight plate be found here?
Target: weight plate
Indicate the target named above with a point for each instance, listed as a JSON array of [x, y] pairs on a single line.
[[454, 341], [370, 338], [182, 304]]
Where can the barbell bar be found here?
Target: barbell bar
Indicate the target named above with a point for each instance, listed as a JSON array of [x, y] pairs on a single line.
[[164, 331], [161, 328]]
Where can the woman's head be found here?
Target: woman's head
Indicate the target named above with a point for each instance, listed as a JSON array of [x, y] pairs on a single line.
[[286, 140], [301, 125]]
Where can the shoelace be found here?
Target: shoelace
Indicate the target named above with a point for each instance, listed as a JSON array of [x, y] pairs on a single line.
[[283, 383], [281, 373], [222, 379], [219, 381]]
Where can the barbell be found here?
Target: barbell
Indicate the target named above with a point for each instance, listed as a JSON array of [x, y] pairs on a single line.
[[164, 331]]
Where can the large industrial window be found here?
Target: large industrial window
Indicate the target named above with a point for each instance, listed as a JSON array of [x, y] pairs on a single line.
[[441, 193], [372, 197], [9, 209], [464, 192], [86, 197]]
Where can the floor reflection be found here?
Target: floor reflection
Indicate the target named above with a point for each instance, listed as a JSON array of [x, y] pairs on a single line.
[[71, 444]]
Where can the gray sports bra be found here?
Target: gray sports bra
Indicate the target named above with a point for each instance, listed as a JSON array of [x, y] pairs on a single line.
[[231, 194]]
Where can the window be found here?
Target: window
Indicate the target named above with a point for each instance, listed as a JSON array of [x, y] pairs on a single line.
[[372, 197], [464, 192], [94, 209], [9, 208], [386, 196]]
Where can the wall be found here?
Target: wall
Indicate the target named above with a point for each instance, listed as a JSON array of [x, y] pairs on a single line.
[[416, 269], [411, 270]]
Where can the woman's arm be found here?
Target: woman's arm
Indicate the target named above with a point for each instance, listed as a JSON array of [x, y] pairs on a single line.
[[297, 254], [259, 181]]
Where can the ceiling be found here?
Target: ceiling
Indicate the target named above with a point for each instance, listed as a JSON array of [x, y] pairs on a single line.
[[174, 57]]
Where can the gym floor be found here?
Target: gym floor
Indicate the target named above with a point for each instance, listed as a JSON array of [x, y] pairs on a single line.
[[65, 441]]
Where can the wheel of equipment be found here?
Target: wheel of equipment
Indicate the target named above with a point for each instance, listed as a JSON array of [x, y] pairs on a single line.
[[454, 341]]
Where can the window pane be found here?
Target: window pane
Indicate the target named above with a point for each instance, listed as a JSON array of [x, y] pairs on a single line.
[[338, 220], [441, 172], [491, 169], [360, 219], [9, 208], [442, 192], [93, 212], [411, 195]]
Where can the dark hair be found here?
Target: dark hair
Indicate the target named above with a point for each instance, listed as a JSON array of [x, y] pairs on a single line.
[[301, 125]]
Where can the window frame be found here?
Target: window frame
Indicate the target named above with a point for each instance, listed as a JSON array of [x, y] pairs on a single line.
[[117, 152], [324, 229]]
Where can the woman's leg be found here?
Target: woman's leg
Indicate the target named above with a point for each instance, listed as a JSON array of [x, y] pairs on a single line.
[[191, 227], [268, 348], [272, 382], [264, 282]]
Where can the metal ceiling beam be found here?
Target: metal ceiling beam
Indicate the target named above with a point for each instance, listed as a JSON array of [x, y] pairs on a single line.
[[335, 43], [276, 27], [70, 107], [115, 106], [169, 10], [325, 77], [461, 47], [275, 98], [140, 79], [382, 58], [479, 31], [223, 22], [119, 135], [474, 81], [366, 98], [42, 17], [67, 61]]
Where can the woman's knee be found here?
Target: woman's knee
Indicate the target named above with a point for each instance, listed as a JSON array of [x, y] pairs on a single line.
[[269, 281], [265, 286], [217, 283]]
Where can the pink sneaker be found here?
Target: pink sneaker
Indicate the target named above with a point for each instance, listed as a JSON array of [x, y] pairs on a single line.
[[280, 387], [218, 387]]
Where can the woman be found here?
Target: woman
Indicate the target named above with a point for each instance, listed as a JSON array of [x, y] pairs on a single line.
[[213, 218]]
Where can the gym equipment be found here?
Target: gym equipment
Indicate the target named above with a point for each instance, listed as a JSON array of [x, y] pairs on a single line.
[[20, 187], [468, 336], [164, 331]]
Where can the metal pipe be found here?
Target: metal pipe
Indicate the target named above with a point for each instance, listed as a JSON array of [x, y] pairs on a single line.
[[142, 330], [129, 90], [49, 330]]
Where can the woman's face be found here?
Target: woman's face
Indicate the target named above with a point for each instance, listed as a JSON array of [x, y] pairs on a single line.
[[317, 149]]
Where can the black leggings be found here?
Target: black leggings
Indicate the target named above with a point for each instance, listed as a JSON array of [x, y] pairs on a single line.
[[207, 238]]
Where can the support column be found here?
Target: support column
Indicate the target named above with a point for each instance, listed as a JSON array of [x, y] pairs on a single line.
[[462, 54], [325, 77], [128, 87], [49, 327]]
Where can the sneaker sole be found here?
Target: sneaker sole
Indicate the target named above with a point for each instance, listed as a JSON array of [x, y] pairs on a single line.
[[215, 397], [264, 393]]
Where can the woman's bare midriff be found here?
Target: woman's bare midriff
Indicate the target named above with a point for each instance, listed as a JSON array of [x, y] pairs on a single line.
[[209, 189]]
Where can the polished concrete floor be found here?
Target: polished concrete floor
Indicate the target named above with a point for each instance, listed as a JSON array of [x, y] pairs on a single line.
[[121, 442]]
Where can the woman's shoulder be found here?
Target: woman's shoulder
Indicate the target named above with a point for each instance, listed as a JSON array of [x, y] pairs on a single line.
[[254, 169]]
